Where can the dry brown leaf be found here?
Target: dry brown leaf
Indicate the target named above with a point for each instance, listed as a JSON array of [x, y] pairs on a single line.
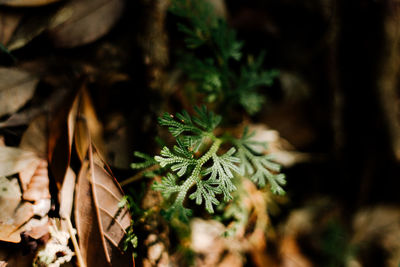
[[67, 194], [25, 175], [36, 228], [90, 20], [100, 222], [86, 124], [21, 118], [8, 23], [32, 25], [14, 160], [61, 131], [34, 178], [81, 139], [26, 3], [35, 137], [38, 186], [14, 213], [16, 89]]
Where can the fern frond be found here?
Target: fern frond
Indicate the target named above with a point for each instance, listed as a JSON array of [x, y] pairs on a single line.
[[148, 161], [222, 172], [167, 186], [205, 122], [207, 176], [213, 74], [206, 119], [177, 162], [259, 168]]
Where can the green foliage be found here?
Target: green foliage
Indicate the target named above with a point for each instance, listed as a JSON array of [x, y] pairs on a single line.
[[201, 166], [148, 161], [131, 239], [213, 72], [251, 77], [258, 167]]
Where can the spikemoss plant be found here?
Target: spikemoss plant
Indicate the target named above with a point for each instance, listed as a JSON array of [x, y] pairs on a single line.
[[201, 165], [213, 60]]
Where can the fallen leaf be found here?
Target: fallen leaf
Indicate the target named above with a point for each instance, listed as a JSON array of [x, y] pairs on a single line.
[[21, 118], [34, 178], [90, 20], [35, 137], [87, 226], [26, 174], [14, 160], [61, 132], [37, 228], [100, 222], [32, 25], [9, 21], [14, 212], [87, 123], [81, 138], [38, 186], [67, 194], [26, 3], [16, 89]]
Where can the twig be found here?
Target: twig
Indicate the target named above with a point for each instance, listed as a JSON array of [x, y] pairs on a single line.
[[81, 262], [139, 175]]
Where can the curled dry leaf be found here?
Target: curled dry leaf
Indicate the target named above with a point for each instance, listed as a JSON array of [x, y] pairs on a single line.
[[38, 186], [90, 20], [34, 178], [100, 222], [14, 212], [67, 194], [16, 89], [14, 160], [26, 3], [87, 123]]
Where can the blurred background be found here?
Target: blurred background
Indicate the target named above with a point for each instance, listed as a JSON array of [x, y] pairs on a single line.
[[331, 115]]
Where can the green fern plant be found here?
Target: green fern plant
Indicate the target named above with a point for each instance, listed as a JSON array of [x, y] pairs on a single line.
[[213, 72], [201, 165]]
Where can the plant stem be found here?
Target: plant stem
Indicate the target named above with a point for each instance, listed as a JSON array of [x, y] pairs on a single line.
[[196, 172], [139, 175]]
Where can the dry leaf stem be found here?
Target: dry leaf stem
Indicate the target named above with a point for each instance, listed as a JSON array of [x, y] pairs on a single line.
[[81, 262]]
